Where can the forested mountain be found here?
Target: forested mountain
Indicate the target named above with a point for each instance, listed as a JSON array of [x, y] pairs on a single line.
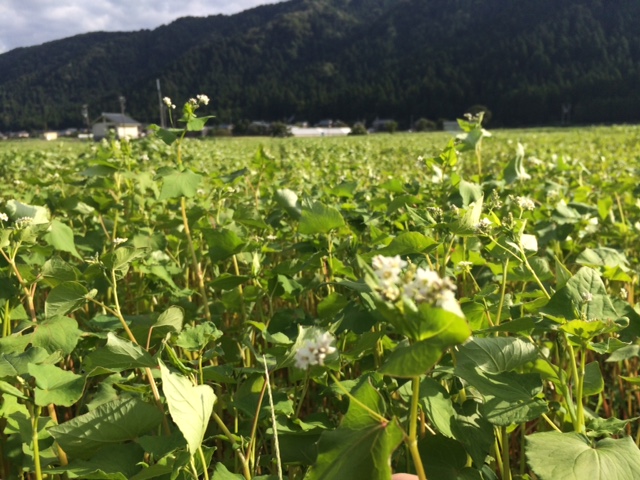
[[347, 59]]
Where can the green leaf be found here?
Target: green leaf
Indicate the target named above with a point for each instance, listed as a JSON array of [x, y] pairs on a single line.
[[446, 459], [496, 354], [196, 124], [223, 244], [220, 472], [56, 270], [470, 192], [196, 338], [65, 298], [514, 170], [471, 428], [288, 200], [168, 136], [569, 456], [179, 184], [437, 405], [57, 334], [227, 281], [13, 364], [424, 322], [171, 319], [11, 390], [120, 259], [113, 462], [405, 244], [16, 210], [624, 353], [60, 237], [593, 381], [603, 257], [505, 413], [569, 301], [190, 406], [413, 360], [598, 427], [111, 423], [119, 354], [319, 218], [362, 446]]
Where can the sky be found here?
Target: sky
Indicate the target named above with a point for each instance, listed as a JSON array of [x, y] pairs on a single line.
[[24, 23]]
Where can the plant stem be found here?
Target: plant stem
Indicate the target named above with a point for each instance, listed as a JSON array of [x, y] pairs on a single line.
[[35, 412], [506, 468], [578, 421], [305, 387], [503, 289], [204, 463], [412, 440], [194, 260], [580, 392], [232, 439], [371, 412], [274, 425]]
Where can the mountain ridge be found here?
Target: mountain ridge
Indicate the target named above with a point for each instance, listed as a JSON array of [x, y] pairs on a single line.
[[347, 59]]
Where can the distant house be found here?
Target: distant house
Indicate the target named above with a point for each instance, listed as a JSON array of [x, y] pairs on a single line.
[[320, 132], [122, 125], [451, 126], [383, 125], [48, 136]]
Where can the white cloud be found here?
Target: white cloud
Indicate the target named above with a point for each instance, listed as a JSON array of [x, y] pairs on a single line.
[[32, 22]]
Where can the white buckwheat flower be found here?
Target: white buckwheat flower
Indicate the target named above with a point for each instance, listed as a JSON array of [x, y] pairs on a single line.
[[167, 101], [388, 269], [4, 217], [587, 297], [203, 99], [484, 225], [314, 351], [119, 240], [525, 203]]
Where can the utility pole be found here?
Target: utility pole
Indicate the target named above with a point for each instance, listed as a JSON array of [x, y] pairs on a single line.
[[161, 105], [123, 103], [85, 115]]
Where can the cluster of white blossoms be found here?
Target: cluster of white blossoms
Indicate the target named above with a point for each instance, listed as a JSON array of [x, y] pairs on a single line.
[[199, 100], [389, 270], [421, 285], [118, 240], [525, 203], [167, 101], [4, 217], [484, 225], [314, 351], [23, 222]]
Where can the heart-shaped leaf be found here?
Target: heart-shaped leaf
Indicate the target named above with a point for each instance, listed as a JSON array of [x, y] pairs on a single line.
[[190, 406]]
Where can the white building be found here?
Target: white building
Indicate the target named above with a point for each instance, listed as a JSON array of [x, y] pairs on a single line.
[[320, 132], [122, 125], [50, 135]]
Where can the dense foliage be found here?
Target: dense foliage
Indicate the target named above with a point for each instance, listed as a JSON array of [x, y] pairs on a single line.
[[350, 59], [308, 306]]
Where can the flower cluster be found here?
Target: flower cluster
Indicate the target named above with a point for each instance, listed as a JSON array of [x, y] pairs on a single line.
[[525, 203], [483, 226], [388, 272], [314, 351], [4, 217], [199, 100], [421, 285], [167, 101]]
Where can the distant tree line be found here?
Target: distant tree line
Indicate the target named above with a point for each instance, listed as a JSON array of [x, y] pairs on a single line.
[[530, 62]]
